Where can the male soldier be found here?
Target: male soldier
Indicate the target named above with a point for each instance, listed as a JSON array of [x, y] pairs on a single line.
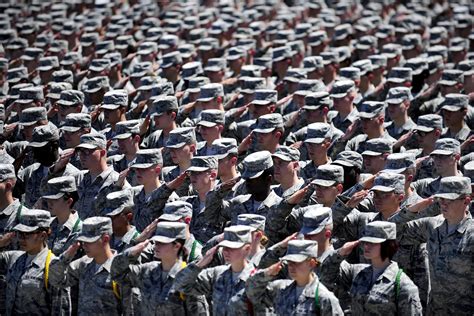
[[269, 131], [98, 180], [398, 103], [343, 93], [115, 106], [210, 127], [98, 293], [286, 167], [70, 101], [449, 243], [75, 125], [454, 110], [318, 141], [375, 154]]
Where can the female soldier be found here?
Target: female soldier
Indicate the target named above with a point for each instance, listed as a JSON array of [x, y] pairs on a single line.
[[226, 283], [155, 279], [304, 294], [62, 194], [28, 289], [379, 288]]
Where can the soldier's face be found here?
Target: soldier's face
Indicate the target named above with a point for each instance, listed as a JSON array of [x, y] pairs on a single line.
[[201, 181], [232, 255], [181, 154], [443, 162], [145, 175], [93, 249], [371, 251], [453, 209], [57, 206], [326, 195], [374, 164], [299, 270], [165, 250], [30, 241], [283, 170], [386, 202], [266, 141]]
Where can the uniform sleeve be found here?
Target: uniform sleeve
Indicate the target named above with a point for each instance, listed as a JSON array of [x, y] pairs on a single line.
[[261, 289], [272, 255], [63, 274], [217, 208], [416, 232], [192, 280], [336, 270], [329, 302], [123, 268], [408, 302]]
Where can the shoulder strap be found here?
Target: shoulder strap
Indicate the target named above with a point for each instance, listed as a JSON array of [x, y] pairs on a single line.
[[116, 290], [193, 250], [46, 269], [181, 294], [76, 225], [397, 283], [135, 235], [316, 297], [18, 212]]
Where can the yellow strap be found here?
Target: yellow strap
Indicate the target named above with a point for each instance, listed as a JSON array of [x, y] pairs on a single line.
[[46, 269], [116, 290], [181, 295]]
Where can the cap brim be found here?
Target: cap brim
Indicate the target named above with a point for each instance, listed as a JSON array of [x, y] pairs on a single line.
[[197, 169], [264, 130], [27, 123], [86, 146], [169, 217], [231, 244], [110, 106], [294, 258], [447, 196], [424, 129], [71, 129], [371, 153], [37, 144], [204, 99], [141, 165], [163, 239], [88, 239], [451, 108], [282, 157], [24, 101], [382, 188], [115, 211], [206, 124], [311, 230], [261, 102], [399, 170], [53, 196], [178, 145], [251, 175], [25, 229], [394, 101], [367, 115], [372, 240], [122, 136], [441, 152], [338, 95], [318, 140], [323, 183]]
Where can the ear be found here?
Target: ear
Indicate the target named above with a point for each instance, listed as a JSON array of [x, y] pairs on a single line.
[[409, 178], [234, 160], [173, 115], [438, 132], [137, 138], [339, 187], [401, 197], [129, 217], [278, 134], [213, 174], [457, 157], [158, 169], [272, 108], [103, 153], [187, 220], [327, 233], [192, 148], [219, 100]]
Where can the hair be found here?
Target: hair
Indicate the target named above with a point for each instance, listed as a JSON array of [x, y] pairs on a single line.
[[388, 249], [71, 195], [351, 175], [182, 250]]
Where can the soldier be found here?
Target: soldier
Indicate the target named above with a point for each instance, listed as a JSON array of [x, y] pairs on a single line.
[[380, 287], [75, 125], [449, 243], [343, 93], [210, 127], [398, 104], [269, 132], [286, 168], [70, 101], [318, 141], [156, 279], [29, 290], [98, 292], [304, 294], [375, 154], [226, 283]]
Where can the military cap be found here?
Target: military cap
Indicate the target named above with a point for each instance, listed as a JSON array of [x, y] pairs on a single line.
[[312, 63], [99, 64], [17, 43], [14, 75], [147, 158], [392, 50], [377, 147], [71, 98], [162, 88], [92, 140], [3, 64], [451, 77], [32, 53], [399, 162], [126, 129], [256, 163], [307, 86], [317, 38], [15, 90], [254, 221], [124, 41], [318, 132], [141, 69], [57, 187], [410, 41], [96, 84], [215, 64], [348, 158], [328, 175], [76, 121], [224, 146], [366, 42], [340, 88], [71, 58], [438, 34], [30, 94], [7, 171], [250, 72], [236, 236], [294, 75], [103, 47], [265, 97], [192, 70], [87, 39], [435, 63], [315, 219], [400, 75], [31, 116], [265, 62], [438, 50], [371, 109], [69, 27], [398, 95], [32, 219], [176, 210], [364, 65], [203, 163], [236, 53], [389, 182], [114, 99], [342, 31], [210, 118], [458, 44], [455, 102], [153, 34], [187, 50], [210, 91], [63, 76], [427, 123], [171, 59], [168, 232], [116, 202], [167, 41], [452, 188], [249, 84], [468, 170], [44, 134], [48, 63], [94, 227], [163, 104], [315, 100], [301, 250], [287, 153], [181, 136], [281, 53], [378, 61], [351, 73], [417, 65], [147, 83], [446, 147], [377, 232], [268, 123]]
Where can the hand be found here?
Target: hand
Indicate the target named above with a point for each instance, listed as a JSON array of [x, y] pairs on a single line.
[[297, 145], [357, 198], [351, 130], [176, 183], [145, 125], [8, 130], [53, 110], [6, 239], [63, 160], [284, 242], [421, 205], [419, 161], [38, 204], [284, 100], [369, 182], [179, 94], [468, 142], [147, 232], [229, 81], [403, 139], [140, 106], [245, 144], [138, 248], [294, 117], [122, 177], [240, 111], [204, 262], [274, 269], [187, 108], [72, 250], [298, 196], [228, 185], [347, 248], [95, 113], [109, 143]]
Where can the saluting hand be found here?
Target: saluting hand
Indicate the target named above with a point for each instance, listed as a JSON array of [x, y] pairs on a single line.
[[204, 262], [274, 269], [147, 232], [347, 248], [72, 250], [138, 249]]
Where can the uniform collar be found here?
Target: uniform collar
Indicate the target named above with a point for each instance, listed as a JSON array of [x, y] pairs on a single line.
[[11, 208]]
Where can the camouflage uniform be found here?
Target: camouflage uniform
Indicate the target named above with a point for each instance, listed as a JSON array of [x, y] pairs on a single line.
[[63, 236]]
